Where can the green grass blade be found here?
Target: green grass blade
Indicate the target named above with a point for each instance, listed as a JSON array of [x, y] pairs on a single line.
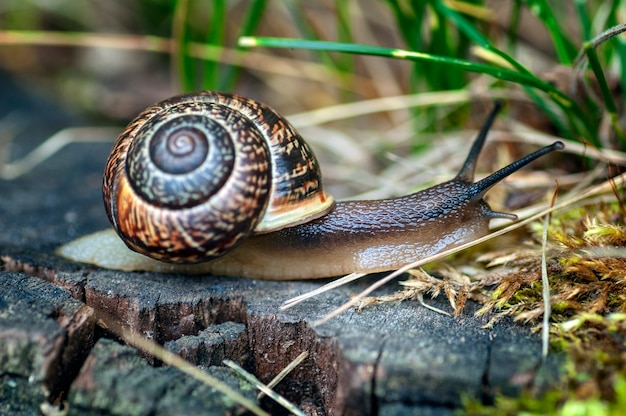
[[583, 18], [570, 108], [407, 16], [564, 48], [596, 67], [497, 72], [512, 34], [303, 26], [620, 49], [248, 27], [215, 36], [613, 19], [441, 44], [592, 55], [184, 64], [573, 112], [472, 32], [345, 62]]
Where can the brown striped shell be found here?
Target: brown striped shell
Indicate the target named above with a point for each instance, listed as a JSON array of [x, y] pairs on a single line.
[[192, 176]]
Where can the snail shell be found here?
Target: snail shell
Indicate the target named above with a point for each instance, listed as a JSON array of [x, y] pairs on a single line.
[[191, 177]]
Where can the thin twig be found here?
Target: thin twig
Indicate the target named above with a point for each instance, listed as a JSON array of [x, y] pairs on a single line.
[[56, 142], [545, 290], [169, 358], [265, 389], [328, 286], [283, 373]]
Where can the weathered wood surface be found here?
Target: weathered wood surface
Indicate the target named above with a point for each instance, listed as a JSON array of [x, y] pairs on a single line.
[[389, 359]]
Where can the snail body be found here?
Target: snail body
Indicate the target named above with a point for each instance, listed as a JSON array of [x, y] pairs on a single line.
[[290, 229]]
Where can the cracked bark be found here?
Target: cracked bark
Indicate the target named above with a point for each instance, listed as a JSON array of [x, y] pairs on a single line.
[[388, 359]]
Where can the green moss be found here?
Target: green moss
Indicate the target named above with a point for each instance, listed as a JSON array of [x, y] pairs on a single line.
[[588, 298], [554, 402]]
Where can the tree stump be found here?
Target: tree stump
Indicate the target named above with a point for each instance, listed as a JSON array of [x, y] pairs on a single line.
[[392, 359]]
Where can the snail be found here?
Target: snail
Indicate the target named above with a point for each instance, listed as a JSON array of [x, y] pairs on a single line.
[[216, 183]]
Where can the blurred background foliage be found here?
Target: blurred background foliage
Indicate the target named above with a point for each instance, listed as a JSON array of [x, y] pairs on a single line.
[[109, 59]]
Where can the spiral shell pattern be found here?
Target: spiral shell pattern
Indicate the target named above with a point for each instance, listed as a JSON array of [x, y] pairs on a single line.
[[194, 175]]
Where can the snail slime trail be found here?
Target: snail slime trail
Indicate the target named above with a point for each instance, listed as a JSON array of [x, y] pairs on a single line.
[[215, 183]]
